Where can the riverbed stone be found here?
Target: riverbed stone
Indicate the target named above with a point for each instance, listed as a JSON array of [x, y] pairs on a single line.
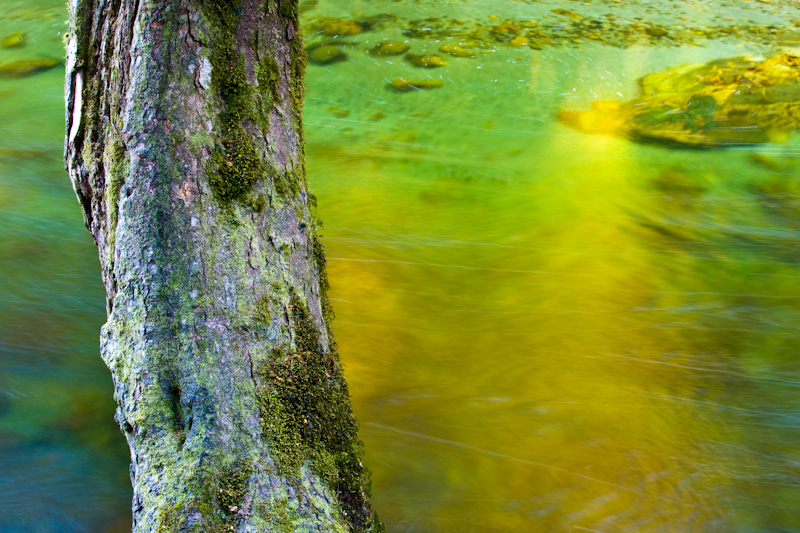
[[726, 102]]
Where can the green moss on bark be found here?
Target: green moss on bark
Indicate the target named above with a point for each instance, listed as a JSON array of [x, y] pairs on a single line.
[[117, 164], [282, 517], [262, 313], [216, 506], [306, 415], [268, 75], [233, 487], [236, 165]]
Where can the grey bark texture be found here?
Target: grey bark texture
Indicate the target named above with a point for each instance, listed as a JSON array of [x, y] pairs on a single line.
[[185, 149]]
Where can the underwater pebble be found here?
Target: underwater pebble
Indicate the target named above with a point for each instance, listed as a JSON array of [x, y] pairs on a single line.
[[15, 40], [519, 40], [456, 50], [506, 27], [403, 85], [335, 28], [325, 54], [567, 13], [389, 48], [26, 67], [426, 61], [656, 32]]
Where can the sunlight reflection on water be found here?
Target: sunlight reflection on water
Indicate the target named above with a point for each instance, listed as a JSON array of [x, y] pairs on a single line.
[[545, 330]]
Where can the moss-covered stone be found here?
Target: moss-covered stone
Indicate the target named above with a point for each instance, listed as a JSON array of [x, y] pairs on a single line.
[[726, 102]]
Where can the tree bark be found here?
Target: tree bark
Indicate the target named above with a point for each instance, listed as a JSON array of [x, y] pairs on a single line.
[[185, 149]]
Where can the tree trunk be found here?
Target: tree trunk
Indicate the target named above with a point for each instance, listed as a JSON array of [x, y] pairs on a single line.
[[185, 149]]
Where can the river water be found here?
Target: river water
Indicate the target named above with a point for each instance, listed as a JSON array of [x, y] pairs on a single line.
[[543, 329]]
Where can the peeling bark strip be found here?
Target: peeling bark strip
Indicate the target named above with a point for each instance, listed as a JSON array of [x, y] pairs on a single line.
[[185, 149]]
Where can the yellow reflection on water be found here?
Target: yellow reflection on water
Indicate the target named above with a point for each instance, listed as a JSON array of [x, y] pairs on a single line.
[[550, 331]]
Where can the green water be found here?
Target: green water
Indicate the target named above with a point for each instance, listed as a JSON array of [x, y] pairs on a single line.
[[543, 330]]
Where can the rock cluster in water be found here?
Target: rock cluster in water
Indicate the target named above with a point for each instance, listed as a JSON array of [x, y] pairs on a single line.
[[557, 27], [726, 102]]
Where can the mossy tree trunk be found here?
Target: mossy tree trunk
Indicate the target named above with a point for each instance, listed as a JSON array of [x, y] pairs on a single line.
[[185, 149]]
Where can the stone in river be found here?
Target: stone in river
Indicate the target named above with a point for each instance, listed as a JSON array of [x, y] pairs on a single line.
[[726, 102]]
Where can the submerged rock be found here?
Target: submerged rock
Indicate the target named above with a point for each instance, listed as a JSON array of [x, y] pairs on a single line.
[[15, 40], [325, 54], [519, 40], [426, 61], [403, 85], [26, 67], [307, 5], [726, 102], [567, 13], [389, 48], [456, 50], [337, 27]]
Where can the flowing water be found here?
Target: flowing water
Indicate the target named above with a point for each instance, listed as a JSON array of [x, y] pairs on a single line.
[[543, 329]]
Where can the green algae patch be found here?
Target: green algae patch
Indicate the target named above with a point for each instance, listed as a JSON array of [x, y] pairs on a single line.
[[306, 415], [725, 102]]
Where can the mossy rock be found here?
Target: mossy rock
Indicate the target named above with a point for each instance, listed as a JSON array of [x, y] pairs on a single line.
[[726, 102], [426, 61], [457, 50], [403, 85], [14, 40], [339, 27], [389, 48], [26, 67], [325, 54]]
